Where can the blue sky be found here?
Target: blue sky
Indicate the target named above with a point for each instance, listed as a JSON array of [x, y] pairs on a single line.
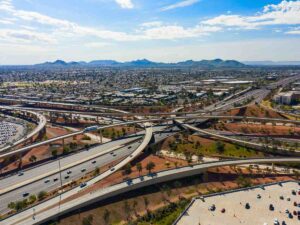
[[33, 31]]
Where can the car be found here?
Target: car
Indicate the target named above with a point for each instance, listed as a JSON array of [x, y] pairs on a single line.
[[281, 197], [69, 172], [295, 204], [129, 182], [46, 181], [129, 147], [25, 194], [287, 211], [247, 206], [83, 170], [112, 169], [259, 196], [67, 177], [276, 222], [94, 162], [20, 174], [55, 179], [82, 185], [271, 207], [212, 207], [114, 155]]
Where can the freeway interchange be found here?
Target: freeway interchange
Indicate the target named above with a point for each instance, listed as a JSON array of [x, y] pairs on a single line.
[[52, 175]]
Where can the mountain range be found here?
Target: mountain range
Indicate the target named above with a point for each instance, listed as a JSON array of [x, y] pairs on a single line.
[[144, 63]]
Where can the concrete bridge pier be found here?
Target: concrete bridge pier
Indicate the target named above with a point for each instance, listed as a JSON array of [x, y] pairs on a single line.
[[205, 176]]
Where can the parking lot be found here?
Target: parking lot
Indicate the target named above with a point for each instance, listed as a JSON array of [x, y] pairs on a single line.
[[259, 206], [10, 132]]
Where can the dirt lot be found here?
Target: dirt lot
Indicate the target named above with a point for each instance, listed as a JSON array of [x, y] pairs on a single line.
[[255, 111]]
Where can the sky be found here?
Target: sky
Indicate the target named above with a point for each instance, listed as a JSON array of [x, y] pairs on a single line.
[[34, 31]]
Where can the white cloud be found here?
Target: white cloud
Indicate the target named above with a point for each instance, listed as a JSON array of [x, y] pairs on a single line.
[[178, 32], [284, 13], [125, 4], [97, 44], [6, 21], [294, 31], [180, 4], [152, 24], [61, 29], [24, 36]]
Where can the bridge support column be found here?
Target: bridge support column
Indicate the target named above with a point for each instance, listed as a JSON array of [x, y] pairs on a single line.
[[205, 176], [63, 143], [273, 167], [20, 161]]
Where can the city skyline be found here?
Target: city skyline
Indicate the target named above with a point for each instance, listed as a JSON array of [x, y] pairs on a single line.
[[32, 31]]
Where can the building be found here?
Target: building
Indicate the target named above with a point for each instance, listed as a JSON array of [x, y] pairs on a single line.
[[287, 98]]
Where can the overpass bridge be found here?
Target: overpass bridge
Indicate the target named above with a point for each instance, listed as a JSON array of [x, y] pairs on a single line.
[[65, 203]]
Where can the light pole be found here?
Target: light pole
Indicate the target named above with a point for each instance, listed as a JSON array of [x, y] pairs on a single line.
[[59, 167], [33, 213]]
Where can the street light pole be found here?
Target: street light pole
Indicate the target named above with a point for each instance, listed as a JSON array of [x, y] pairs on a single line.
[[59, 167]]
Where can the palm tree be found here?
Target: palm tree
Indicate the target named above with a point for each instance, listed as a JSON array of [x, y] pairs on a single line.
[[139, 168], [150, 166]]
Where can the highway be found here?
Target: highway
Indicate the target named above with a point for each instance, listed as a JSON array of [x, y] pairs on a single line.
[[203, 117], [42, 215], [258, 95], [33, 180]]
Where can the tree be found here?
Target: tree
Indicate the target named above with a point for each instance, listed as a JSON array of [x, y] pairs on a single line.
[[42, 195], [106, 216], [139, 168], [96, 171], [88, 220], [220, 147], [127, 169], [66, 150], [54, 152], [11, 205], [32, 158], [32, 199], [150, 166]]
